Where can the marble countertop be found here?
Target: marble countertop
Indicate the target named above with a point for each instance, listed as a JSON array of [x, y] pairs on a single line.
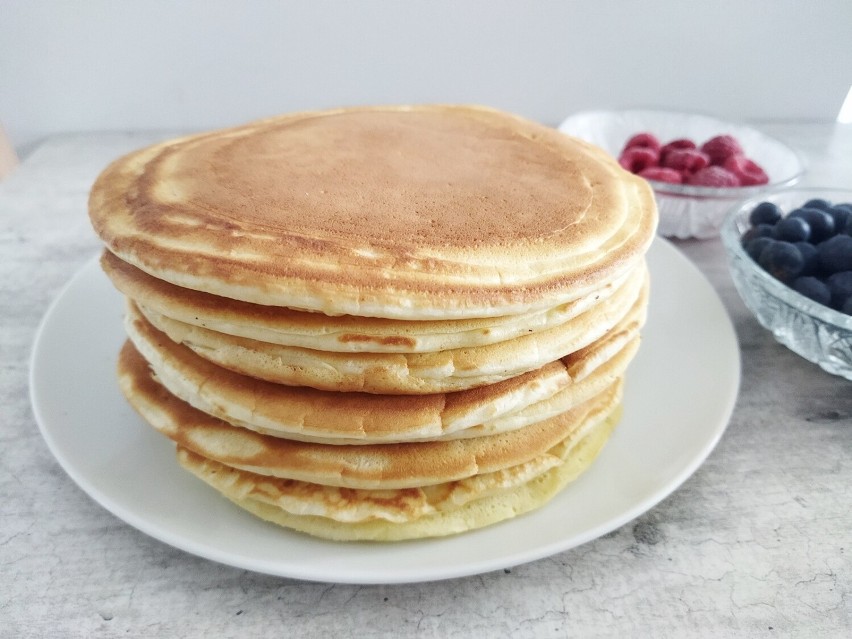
[[758, 542]]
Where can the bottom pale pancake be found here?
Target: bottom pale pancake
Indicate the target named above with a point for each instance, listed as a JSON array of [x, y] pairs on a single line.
[[275, 501]]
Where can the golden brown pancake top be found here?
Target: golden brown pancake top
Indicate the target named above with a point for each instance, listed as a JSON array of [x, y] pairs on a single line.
[[409, 212]]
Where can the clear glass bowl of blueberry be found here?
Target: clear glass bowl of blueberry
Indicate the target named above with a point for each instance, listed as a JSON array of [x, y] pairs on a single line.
[[790, 256]]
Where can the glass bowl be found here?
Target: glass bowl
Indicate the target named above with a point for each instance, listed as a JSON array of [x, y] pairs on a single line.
[[687, 210], [818, 333]]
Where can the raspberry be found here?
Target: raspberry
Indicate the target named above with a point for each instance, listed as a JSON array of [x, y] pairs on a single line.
[[721, 147], [644, 151], [680, 144], [637, 158], [713, 176], [644, 141], [661, 174], [686, 160], [748, 171]]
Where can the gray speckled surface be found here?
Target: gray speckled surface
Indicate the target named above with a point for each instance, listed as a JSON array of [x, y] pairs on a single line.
[[755, 543]]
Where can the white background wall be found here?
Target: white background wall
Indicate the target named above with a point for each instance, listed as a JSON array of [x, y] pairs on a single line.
[[120, 64]]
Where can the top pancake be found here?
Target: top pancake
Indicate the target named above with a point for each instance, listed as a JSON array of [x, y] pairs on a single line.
[[428, 212]]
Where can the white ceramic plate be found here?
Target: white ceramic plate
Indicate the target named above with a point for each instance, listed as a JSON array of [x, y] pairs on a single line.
[[680, 393]]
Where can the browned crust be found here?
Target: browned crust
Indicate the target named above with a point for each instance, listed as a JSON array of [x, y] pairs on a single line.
[[308, 414], [379, 465]]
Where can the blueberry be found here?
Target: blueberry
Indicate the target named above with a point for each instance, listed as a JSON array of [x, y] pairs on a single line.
[[792, 229], [835, 254], [848, 230], [813, 288], [821, 223], [761, 230], [782, 260], [847, 307], [817, 203], [755, 247], [840, 285], [841, 214], [810, 257], [765, 213]]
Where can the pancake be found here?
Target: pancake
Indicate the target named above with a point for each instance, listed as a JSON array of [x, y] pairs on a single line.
[[354, 504], [376, 466], [346, 333], [413, 213], [402, 373], [603, 376], [307, 414], [378, 323], [395, 517]]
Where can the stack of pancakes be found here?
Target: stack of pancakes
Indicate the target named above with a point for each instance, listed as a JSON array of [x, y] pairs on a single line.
[[378, 323]]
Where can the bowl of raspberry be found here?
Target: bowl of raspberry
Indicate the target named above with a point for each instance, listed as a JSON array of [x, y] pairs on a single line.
[[699, 166], [790, 256]]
